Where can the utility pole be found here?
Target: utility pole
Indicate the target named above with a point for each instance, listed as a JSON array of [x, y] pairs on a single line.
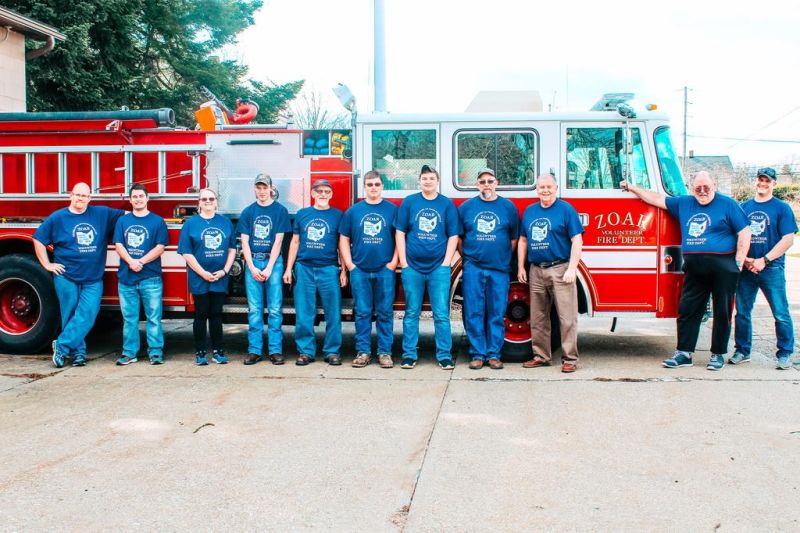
[[379, 52], [685, 116]]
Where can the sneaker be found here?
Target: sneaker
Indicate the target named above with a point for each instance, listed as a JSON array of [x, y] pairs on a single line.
[[784, 363], [716, 362], [125, 360], [219, 357], [408, 363], [156, 359], [446, 364], [385, 360], [79, 360], [739, 357], [200, 359], [361, 360], [678, 360], [58, 358]]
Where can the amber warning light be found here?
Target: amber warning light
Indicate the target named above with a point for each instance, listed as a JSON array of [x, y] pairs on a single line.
[[651, 107]]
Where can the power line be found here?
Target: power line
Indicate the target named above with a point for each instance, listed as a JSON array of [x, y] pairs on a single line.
[[767, 126], [747, 139]]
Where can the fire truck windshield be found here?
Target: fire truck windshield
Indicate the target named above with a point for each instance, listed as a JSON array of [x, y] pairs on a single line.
[[668, 164]]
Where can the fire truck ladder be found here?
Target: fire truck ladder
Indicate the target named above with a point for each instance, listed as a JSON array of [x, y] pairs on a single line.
[[30, 153]]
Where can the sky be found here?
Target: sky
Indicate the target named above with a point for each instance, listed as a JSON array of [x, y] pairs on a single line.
[[741, 61]]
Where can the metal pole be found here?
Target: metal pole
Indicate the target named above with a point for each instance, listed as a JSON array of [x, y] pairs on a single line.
[[685, 114], [380, 56]]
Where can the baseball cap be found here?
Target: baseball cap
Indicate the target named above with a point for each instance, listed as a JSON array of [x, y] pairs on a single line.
[[768, 172], [486, 170], [321, 183], [263, 178]]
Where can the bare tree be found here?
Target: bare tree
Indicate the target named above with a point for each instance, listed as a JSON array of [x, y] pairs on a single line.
[[311, 111]]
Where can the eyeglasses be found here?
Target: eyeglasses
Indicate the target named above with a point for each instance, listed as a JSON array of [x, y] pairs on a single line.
[[323, 192], [487, 182], [207, 199], [376, 184], [702, 188]]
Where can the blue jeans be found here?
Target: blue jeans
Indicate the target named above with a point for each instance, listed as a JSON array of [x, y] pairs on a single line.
[[79, 304], [373, 291], [150, 293], [309, 281], [772, 282], [485, 300], [257, 292], [438, 283]]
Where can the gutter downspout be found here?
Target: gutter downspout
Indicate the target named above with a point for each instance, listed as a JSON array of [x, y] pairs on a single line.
[[36, 52]]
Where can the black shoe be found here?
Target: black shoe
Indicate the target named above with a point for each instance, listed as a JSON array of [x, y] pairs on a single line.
[[276, 358], [303, 360], [334, 359], [252, 359]]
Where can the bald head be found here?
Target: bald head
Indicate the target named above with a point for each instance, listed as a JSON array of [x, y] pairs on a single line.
[[79, 198]]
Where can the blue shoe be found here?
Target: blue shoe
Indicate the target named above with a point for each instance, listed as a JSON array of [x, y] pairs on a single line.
[[58, 359], [79, 360], [156, 359], [446, 364], [408, 363], [678, 360], [200, 359], [219, 357], [784, 363], [716, 362], [739, 357], [125, 360]]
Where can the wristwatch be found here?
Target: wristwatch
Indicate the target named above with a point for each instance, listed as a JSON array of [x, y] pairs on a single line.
[[767, 260]]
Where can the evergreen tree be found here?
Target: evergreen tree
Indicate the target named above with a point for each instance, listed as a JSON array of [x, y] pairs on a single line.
[[145, 54]]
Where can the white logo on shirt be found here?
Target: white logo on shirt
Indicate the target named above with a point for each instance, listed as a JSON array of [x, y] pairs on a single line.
[[372, 229], [428, 224], [539, 229], [315, 234], [698, 224]]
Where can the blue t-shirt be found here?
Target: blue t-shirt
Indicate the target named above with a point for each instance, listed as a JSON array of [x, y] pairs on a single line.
[[428, 224], [707, 229], [261, 224], [370, 228], [139, 235], [769, 222], [488, 229], [80, 242], [208, 240], [319, 236], [550, 231]]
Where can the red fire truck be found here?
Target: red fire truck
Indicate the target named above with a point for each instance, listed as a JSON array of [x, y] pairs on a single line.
[[631, 261]]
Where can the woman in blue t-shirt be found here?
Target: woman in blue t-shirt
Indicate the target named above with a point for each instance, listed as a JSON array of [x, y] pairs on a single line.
[[208, 244]]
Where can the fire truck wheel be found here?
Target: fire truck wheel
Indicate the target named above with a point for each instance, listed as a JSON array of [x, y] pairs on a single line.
[[517, 351], [29, 317]]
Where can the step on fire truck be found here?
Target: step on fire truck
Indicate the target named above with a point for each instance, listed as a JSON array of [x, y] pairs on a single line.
[[631, 262]]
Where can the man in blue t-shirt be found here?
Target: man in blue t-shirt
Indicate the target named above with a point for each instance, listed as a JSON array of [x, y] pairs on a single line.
[[140, 238], [79, 235], [551, 239], [427, 236], [773, 226], [490, 227], [714, 240], [262, 226], [314, 254], [366, 245]]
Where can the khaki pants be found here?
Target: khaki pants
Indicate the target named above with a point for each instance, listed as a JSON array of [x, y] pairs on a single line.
[[546, 286]]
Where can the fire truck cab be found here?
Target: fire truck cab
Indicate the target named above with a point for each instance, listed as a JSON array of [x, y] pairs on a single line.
[[631, 261]]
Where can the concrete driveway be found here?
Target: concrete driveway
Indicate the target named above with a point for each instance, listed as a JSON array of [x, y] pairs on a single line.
[[620, 445]]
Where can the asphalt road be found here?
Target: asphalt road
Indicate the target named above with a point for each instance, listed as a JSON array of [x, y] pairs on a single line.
[[621, 445]]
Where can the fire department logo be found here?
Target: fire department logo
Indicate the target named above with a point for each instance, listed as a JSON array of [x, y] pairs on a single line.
[[698, 224], [373, 224], [316, 230], [84, 234], [212, 238], [135, 236], [486, 222], [539, 229], [262, 227], [759, 221], [427, 220]]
